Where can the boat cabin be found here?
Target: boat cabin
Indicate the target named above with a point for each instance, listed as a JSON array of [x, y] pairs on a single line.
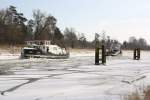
[[45, 47]]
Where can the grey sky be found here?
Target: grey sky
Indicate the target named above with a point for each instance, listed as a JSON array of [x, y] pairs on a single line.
[[119, 18]]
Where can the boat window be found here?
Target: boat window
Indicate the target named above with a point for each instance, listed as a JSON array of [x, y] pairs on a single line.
[[41, 43]]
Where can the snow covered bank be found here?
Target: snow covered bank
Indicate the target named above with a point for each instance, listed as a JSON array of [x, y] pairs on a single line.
[[9, 56]]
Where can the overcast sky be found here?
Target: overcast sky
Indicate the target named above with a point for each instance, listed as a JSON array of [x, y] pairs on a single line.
[[120, 19]]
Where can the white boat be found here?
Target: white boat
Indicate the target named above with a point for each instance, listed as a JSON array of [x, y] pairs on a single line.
[[114, 49], [43, 49]]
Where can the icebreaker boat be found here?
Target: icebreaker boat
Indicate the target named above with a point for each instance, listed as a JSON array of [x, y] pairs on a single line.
[[113, 49], [43, 49]]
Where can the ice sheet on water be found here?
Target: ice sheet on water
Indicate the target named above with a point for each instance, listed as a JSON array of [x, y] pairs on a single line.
[[76, 78]]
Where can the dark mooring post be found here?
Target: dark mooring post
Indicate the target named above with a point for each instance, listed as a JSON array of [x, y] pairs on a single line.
[[136, 55], [103, 55], [97, 52], [96, 56]]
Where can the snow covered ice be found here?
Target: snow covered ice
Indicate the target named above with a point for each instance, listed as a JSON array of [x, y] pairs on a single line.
[[76, 78]]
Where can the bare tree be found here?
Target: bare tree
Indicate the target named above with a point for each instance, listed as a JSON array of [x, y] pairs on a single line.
[[82, 42], [44, 26], [142, 42], [70, 37]]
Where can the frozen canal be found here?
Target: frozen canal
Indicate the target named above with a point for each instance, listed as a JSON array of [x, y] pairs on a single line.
[[76, 78]]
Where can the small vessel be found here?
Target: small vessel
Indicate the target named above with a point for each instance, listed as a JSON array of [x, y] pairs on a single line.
[[114, 49], [43, 49]]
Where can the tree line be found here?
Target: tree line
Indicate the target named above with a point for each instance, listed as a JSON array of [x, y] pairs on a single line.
[[133, 42], [15, 28]]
